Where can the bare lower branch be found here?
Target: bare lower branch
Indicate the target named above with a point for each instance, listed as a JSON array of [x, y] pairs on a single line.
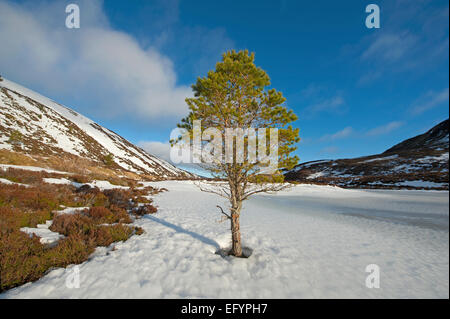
[[221, 210], [213, 188], [253, 189]]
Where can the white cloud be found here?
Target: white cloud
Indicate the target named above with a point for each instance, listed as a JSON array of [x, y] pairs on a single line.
[[385, 129], [109, 68], [159, 149], [430, 100], [346, 132], [162, 150]]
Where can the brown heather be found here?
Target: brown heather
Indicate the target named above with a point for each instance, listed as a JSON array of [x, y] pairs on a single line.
[[23, 258]]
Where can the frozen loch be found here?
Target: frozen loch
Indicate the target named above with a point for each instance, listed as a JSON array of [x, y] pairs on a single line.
[[308, 242]]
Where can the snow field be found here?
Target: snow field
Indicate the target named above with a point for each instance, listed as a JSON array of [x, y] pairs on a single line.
[[305, 244]]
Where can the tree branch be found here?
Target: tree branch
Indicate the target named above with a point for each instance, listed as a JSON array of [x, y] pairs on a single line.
[[221, 210]]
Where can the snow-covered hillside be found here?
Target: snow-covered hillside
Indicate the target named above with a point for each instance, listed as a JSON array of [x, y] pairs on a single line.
[[32, 123], [308, 242], [419, 162]]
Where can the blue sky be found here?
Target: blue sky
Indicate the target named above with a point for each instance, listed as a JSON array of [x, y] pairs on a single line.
[[356, 91]]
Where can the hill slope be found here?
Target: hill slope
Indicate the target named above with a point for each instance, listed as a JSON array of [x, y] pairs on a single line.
[[33, 124], [420, 162], [437, 137]]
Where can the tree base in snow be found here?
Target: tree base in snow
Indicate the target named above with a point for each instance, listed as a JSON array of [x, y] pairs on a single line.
[[224, 252]]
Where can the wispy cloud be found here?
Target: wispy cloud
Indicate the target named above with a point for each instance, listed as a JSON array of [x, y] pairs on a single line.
[[320, 99], [329, 150], [430, 100], [334, 104], [385, 129], [390, 47], [311, 90], [413, 36], [344, 133]]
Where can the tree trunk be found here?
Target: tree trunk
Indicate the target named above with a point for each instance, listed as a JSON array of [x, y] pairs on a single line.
[[235, 213], [236, 248]]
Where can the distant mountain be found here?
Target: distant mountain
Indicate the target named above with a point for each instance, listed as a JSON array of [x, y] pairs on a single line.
[[420, 162], [33, 124], [437, 137]]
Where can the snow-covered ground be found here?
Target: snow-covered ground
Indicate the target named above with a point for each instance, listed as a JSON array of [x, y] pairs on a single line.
[[43, 231], [70, 131], [32, 168], [6, 181], [309, 242], [102, 185]]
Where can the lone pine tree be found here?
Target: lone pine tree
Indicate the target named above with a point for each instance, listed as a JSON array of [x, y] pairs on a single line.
[[235, 96]]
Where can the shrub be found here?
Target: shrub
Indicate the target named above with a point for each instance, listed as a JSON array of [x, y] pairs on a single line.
[[20, 259], [42, 197], [100, 200], [138, 231], [103, 215], [106, 235], [144, 210], [120, 215], [148, 190], [23, 176], [82, 179], [15, 137], [116, 181], [103, 236], [131, 183], [119, 232], [91, 196], [142, 199], [71, 250], [108, 159], [16, 158], [86, 189], [89, 226], [13, 218], [73, 224], [24, 258], [119, 197]]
